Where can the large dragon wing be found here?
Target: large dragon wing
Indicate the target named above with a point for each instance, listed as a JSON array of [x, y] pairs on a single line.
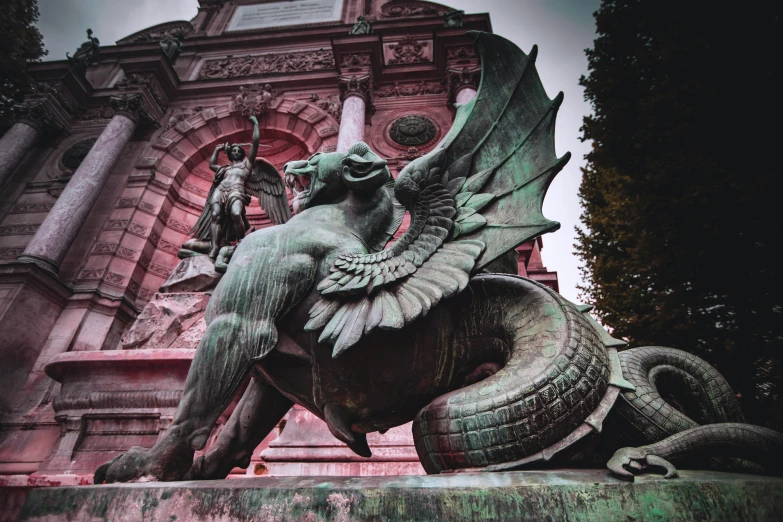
[[266, 184], [473, 198]]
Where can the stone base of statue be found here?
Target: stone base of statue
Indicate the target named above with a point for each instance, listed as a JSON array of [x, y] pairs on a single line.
[[576, 495]]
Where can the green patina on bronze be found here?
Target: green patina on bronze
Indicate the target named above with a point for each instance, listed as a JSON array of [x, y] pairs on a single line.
[[497, 371]]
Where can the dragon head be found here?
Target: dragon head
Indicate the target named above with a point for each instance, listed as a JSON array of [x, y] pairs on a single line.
[[327, 177]]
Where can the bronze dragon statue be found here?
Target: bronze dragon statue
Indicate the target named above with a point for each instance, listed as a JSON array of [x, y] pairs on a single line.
[[497, 371]]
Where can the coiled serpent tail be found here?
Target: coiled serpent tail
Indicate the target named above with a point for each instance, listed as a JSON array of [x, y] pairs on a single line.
[[557, 374], [696, 386]]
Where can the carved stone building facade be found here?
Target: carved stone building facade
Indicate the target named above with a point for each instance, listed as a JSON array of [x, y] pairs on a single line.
[[106, 170]]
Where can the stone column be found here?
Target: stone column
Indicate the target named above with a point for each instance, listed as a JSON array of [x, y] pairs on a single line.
[[17, 142], [356, 95], [58, 231], [465, 94]]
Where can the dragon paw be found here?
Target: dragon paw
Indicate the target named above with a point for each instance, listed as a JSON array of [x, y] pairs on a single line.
[[627, 462], [130, 466]]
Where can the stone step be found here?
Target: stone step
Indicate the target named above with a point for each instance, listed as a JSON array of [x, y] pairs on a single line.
[[573, 495]]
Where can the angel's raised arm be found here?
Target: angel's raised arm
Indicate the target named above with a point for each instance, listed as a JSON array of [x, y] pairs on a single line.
[[213, 162], [251, 156]]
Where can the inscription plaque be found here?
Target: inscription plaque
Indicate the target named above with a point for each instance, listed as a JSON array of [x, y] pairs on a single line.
[[281, 14]]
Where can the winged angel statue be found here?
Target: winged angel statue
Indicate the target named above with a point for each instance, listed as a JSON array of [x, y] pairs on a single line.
[[224, 220], [496, 371]]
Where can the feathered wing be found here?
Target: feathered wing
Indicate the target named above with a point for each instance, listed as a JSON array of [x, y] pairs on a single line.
[[266, 184], [473, 198]]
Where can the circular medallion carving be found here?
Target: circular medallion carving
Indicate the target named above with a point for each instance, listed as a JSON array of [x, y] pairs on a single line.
[[76, 153], [412, 130]]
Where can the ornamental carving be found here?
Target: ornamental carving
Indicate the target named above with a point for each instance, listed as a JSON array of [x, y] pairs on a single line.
[[355, 62], [412, 8], [180, 114], [423, 87], [158, 33], [462, 55], [331, 105], [360, 86], [458, 79], [144, 80], [75, 154], [412, 130], [56, 90], [37, 114], [407, 51], [132, 106], [278, 63], [253, 101]]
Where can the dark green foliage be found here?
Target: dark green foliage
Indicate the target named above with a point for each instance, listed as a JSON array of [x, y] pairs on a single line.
[[20, 44], [681, 192]]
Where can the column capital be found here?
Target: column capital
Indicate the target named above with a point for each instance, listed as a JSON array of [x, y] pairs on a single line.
[[357, 85], [39, 115], [132, 106], [458, 79]]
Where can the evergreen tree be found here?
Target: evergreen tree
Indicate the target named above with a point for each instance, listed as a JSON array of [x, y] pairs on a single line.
[[20, 44], [681, 187]]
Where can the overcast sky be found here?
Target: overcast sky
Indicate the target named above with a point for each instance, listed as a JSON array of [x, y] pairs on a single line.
[[562, 29]]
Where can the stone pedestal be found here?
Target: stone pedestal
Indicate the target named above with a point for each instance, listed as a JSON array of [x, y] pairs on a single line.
[[574, 495]]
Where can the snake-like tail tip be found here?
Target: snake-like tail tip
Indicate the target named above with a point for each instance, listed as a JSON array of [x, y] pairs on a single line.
[[671, 471]]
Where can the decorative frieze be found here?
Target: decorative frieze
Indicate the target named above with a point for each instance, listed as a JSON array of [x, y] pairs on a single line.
[[11, 253], [273, 63], [412, 8], [104, 248], [31, 208], [114, 279], [18, 230], [159, 270], [417, 89], [178, 226], [465, 54]]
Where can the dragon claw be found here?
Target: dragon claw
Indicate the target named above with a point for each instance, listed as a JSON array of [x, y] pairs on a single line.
[[627, 462]]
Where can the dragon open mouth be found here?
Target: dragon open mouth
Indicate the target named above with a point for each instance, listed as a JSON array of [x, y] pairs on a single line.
[[300, 186]]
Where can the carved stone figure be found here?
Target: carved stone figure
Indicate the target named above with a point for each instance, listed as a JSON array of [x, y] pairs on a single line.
[[362, 26], [497, 372], [331, 105], [453, 18], [171, 44], [223, 220], [87, 53], [254, 102], [268, 64]]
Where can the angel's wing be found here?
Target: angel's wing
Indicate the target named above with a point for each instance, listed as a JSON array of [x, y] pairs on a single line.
[[473, 198], [266, 184]]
